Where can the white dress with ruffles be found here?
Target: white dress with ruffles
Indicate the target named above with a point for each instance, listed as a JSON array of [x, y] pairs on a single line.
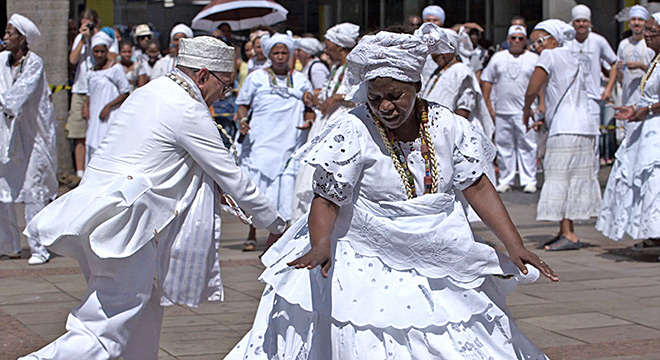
[[407, 280], [631, 202]]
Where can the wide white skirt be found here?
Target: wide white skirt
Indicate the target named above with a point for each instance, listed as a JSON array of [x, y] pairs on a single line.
[[382, 313]]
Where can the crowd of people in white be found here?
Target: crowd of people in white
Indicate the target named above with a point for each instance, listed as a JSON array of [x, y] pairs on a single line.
[[365, 157]]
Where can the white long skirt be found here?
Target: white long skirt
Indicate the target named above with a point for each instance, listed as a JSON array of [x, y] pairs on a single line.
[[570, 188]]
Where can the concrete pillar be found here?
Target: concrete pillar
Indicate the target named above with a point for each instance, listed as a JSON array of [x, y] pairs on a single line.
[[52, 19]]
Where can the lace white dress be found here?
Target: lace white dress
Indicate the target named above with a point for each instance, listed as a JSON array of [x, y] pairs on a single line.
[[407, 280], [631, 202]]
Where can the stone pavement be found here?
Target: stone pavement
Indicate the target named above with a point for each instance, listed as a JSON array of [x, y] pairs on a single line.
[[606, 306]]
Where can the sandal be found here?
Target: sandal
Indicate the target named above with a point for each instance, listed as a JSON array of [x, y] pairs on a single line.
[[250, 245], [651, 245], [563, 243], [551, 241]]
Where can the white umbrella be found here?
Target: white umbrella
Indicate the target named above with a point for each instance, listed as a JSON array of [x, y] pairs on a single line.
[[239, 14]]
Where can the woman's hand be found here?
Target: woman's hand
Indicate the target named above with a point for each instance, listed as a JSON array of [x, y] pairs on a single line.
[[306, 125], [105, 113], [245, 127], [630, 113], [85, 111], [521, 256], [318, 255]]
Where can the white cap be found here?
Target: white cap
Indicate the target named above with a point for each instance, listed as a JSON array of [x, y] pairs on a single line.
[[517, 29], [434, 10], [26, 27], [581, 12], [206, 52]]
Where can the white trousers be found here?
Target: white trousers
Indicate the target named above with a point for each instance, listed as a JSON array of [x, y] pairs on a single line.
[[515, 146], [10, 237], [120, 314]]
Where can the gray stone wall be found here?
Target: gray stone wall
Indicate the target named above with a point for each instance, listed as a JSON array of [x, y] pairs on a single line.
[[52, 19]]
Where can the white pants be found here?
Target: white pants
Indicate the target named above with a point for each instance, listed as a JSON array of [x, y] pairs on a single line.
[[515, 146], [10, 237], [120, 314]]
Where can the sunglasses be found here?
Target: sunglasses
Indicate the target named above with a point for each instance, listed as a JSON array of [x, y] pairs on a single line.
[[521, 38], [144, 37], [540, 41]]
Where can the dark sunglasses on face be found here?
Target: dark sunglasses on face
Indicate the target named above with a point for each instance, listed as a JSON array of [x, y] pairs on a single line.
[[521, 38]]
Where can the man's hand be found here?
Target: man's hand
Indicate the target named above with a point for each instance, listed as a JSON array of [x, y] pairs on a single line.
[[105, 113], [245, 127]]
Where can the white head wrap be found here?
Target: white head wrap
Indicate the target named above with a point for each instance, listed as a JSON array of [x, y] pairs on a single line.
[[26, 27], [638, 11], [397, 56], [206, 52], [558, 29], [344, 35], [267, 43], [101, 38], [181, 28], [517, 29], [580, 12], [309, 45], [656, 16], [434, 10]]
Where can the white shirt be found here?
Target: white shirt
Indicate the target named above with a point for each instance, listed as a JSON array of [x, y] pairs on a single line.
[[316, 73], [163, 66], [566, 100], [28, 148], [85, 62], [590, 53], [631, 51], [510, 76]]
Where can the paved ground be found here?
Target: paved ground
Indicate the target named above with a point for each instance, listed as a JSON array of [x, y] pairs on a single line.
[[606, 306]]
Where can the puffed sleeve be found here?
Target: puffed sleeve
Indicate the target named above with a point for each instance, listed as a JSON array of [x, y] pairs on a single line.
[[473, 153], [337, 155]]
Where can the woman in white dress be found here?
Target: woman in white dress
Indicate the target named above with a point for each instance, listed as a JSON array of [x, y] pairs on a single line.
[[107, 90], [631, 202], [274, 96], [330, 104], [570, 188], [407, 279], [126, 61]]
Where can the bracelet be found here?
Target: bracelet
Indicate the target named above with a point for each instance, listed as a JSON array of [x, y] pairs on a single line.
[[243, 119], [650, 110]]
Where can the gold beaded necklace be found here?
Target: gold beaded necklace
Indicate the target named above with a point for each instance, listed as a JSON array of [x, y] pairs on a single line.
[[648, 73], [399, 159]]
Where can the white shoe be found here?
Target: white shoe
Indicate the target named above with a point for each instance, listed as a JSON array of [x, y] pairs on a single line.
[[502, 188], [37, 260], [529, 188]]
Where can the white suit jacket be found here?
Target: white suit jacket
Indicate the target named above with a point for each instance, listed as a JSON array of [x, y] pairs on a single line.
[[146, 172]]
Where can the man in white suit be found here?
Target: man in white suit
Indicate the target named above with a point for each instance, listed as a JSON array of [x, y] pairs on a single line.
[[145, 208]]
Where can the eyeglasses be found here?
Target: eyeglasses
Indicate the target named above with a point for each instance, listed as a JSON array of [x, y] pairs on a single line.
[[225, 88], [651, 32], [539, 41]]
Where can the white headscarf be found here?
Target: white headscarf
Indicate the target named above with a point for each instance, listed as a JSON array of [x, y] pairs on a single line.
[[656, 16], [344, 35], [397, 56], [267, 43], [206, 52], [580, 12], [26, 27], [638, 11], [101, 38], [434, 10], [558, 29], [309, 45], [181, 28]]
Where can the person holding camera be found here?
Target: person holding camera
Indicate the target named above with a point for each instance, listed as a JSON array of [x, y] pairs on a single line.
[[81, 57]]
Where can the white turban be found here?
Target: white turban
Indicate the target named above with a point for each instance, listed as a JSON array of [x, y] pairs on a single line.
[[309, 45], [206, 52], [638, 11], [656, 16], [517, 29], [101, 38], [344, 35], [558, 29], [581, 12], [26, 27], [434, 10], [181, 28], [397, 56], [267, 43]]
